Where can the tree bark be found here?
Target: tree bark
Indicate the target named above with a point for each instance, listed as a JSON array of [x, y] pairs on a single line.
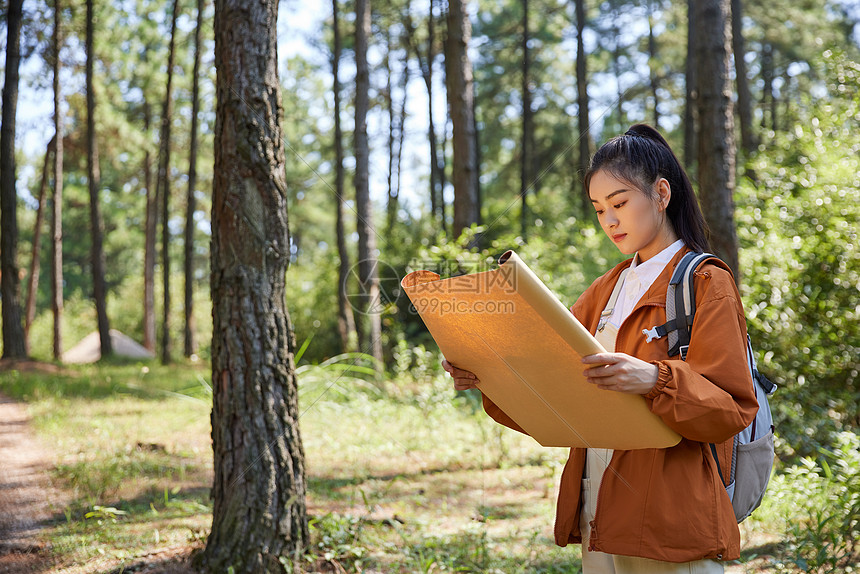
[[150, 232], [190, 345], [57, 197], [768, 100], [461, 104], [654, 76], [368, 272], [716, 128], [583, 122], [748, 138], [14, 345], [526, 151], [392, 199], [691, 90], [97, 255], [163, 190], [345, 317], [259, 514], [437, 200], [35, 263]]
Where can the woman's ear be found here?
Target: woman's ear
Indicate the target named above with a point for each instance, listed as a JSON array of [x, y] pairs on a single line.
[[664, 193]]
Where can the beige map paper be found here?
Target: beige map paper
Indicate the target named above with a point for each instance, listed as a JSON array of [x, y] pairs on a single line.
[[508, 328]]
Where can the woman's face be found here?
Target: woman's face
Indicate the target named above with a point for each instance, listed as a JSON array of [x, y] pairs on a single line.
[[630, 218]]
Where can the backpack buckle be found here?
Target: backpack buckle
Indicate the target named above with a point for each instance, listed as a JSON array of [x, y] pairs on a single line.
[[651, 334], [683, 351]]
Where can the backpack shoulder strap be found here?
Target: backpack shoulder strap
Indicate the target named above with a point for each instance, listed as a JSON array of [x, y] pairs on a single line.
[[680, 305]]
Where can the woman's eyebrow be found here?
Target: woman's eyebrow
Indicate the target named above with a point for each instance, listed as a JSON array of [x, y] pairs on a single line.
[[611, 195]]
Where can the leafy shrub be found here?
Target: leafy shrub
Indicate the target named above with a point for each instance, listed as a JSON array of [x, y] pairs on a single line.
[[820, 502], [797, 223]]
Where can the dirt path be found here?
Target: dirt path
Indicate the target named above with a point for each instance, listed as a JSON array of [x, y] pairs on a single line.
[[27, 499]]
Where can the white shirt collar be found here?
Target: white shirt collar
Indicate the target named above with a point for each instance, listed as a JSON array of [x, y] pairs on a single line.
[[648, 271]]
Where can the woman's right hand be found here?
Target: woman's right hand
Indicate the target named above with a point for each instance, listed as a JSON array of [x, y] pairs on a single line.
[[463, 380]]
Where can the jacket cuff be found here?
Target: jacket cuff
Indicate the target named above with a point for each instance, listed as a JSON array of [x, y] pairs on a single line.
[[664, 375]]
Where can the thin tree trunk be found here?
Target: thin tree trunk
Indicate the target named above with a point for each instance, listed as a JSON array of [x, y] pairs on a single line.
[[768, 75], [401, 122], [437, 203], [391, 204], [583, 122], [163, 190], [437, 180], [97, 255], [616, 70], [14, 345], [461, 105], [190, 345], [652, 63], [691, 89], [259, 516], [748, 138], [477, 133], [57, 198], [345, 317], [35, 263], [150, 232], [367, 260], [525, 167], [716, 128]]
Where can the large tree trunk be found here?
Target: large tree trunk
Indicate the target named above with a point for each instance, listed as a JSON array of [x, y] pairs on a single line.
[[163, 190], [150, 232], [748, 138], [13, 331], [716, 128], [691, 91], [35, 262], [190, 346], [345, 317], [583, 122], [461, 104], [57, 197], [259, 514], [97, 255], [525, 146], [368, 272]]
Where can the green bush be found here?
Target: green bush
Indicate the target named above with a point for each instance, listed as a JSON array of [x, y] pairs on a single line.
[[820, 504]]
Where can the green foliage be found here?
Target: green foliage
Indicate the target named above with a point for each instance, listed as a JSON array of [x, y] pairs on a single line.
[[801, 261], [820, 504]]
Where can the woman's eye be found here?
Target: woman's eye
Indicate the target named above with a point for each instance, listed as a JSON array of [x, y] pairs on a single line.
[[620, 205], [599, 212]]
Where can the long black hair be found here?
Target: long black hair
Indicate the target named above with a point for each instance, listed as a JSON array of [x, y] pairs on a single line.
[[640, 157]]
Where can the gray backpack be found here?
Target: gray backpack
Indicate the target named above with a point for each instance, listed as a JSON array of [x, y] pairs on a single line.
[[752, 454]]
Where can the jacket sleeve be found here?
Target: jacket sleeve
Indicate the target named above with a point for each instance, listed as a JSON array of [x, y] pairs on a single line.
[[709, 397], [498, 415]]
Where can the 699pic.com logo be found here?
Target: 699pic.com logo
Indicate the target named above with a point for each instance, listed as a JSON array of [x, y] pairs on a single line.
[[363, 298]]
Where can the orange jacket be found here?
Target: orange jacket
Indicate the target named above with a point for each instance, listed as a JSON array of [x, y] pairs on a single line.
[[669, 504]]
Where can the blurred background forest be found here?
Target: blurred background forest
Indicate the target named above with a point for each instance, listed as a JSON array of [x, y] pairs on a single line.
[[540, 67]]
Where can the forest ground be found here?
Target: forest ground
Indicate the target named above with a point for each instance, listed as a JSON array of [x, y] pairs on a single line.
[[434, 491]]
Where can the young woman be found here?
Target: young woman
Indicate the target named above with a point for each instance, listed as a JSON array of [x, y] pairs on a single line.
[[654, 510]]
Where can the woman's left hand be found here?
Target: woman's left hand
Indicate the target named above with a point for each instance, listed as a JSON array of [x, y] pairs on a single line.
[[620, 372]]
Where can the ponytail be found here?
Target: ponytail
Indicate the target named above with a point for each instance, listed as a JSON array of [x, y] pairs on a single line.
[[640, 157]]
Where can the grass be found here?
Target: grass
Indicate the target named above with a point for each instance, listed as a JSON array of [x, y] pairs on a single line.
[[403, 476]]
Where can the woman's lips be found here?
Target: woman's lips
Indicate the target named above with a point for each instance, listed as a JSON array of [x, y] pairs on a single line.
[[618, 237]]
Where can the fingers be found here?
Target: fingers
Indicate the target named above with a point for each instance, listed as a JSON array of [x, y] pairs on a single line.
[[463, 379], [620, 372]]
